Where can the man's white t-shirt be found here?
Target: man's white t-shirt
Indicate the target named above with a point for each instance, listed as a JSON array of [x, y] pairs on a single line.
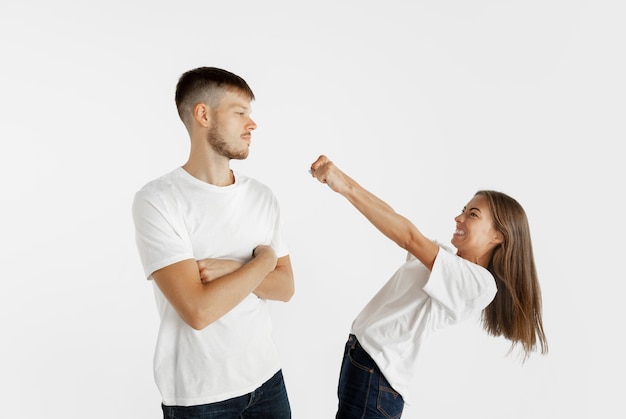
[[178, 217], [414, 303]]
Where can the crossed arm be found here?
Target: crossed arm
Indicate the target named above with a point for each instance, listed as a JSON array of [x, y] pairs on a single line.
[[203, 291]]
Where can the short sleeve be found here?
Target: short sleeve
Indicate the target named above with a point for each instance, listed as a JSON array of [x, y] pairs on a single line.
[[463, 288], [279, 240], [160, 242]]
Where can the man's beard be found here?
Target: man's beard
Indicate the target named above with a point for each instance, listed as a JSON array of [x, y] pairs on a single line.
[[220, 145]]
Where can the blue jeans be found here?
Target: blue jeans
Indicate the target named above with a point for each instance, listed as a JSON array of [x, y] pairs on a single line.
[[268, 401], [363, 390]]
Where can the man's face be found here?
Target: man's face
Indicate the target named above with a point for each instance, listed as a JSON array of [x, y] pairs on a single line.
[[231, 130]]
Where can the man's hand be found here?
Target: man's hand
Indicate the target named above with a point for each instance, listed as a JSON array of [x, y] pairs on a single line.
[[267, 253], [211, 269]]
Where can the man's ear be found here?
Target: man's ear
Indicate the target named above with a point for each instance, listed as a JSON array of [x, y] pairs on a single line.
[[202, 114]]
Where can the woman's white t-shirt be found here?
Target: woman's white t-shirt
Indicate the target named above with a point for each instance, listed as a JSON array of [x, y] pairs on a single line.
[[414, 303]]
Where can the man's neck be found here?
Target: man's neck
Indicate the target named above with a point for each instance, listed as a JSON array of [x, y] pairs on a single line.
[[216, 172]]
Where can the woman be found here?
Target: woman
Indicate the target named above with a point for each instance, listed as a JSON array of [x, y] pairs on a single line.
[[492, 274]]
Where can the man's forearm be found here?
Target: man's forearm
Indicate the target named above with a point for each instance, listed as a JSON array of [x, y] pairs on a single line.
[[278, 285]]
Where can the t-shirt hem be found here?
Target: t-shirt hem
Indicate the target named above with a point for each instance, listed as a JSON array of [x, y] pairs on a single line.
[[197, 401]]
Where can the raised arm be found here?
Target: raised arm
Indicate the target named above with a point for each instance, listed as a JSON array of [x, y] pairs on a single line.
[[200, 303], [380, 214]]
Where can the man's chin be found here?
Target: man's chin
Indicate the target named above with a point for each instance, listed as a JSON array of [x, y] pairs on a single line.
[[240, 157]]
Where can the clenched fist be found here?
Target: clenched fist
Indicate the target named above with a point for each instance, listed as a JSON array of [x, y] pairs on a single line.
[[326, 172]]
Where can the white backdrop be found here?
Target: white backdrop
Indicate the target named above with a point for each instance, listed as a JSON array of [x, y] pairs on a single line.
[[422, 102]]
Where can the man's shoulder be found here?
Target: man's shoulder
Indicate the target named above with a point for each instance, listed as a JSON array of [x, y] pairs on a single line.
[[158, 186], [163, 180], [253, 183]]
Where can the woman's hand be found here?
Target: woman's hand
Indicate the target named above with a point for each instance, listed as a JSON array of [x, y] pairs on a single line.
[[326, 172]]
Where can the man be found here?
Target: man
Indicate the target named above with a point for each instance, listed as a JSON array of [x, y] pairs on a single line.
[[212, 241]]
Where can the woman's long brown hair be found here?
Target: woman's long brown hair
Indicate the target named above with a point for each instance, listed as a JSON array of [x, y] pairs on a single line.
[[515, 312]]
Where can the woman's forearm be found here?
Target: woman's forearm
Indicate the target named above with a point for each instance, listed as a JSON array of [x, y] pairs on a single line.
[[393, 225]]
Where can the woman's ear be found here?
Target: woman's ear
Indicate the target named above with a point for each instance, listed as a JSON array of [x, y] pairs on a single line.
[[499, 237]]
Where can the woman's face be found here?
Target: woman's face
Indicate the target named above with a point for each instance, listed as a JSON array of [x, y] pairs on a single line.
[[475, 236]]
